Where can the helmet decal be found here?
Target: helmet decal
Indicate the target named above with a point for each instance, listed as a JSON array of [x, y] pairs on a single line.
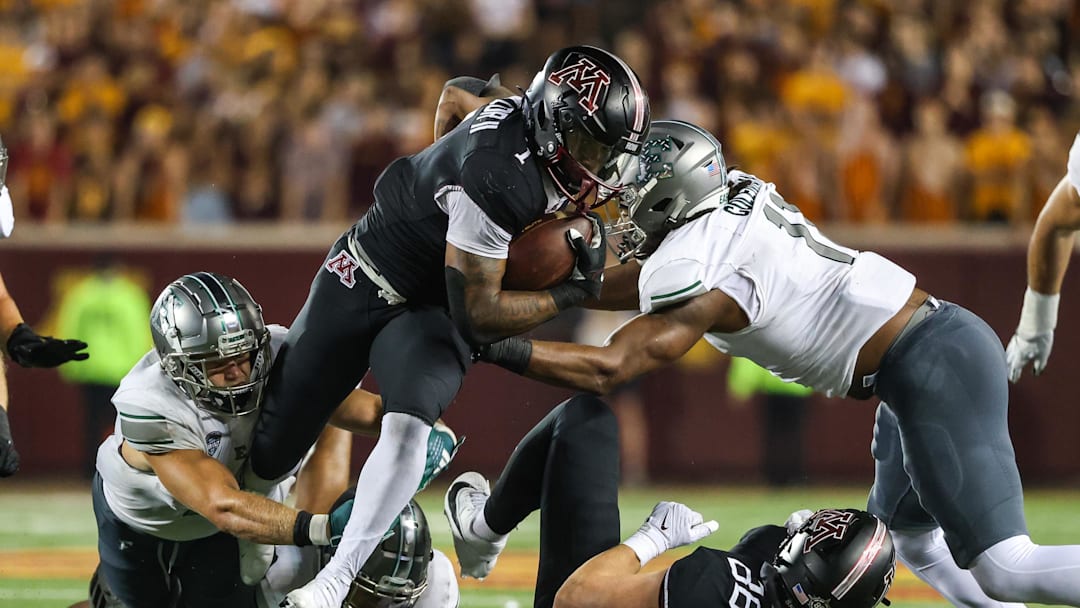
[[828, 524], [588, 79]]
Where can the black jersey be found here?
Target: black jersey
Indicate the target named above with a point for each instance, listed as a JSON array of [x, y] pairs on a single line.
[[487, 159], [724, 579]]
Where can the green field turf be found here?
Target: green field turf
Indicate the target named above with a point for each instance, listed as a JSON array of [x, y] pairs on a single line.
[[34, 517]]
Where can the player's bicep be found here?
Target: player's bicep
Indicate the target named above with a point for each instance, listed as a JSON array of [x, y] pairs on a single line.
[[652, 340], [1062, 211]]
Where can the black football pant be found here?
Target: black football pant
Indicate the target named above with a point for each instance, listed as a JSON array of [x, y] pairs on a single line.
[[416, 354], [144, 571], [568, 467]]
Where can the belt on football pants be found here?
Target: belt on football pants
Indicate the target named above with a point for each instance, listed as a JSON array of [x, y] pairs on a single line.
[[927, 308], [386, 290]]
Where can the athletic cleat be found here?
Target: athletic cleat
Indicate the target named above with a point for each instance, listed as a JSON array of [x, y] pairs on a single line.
[[465, 500], [442, 446]]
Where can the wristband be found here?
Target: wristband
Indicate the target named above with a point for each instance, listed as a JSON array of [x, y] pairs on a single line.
[[642, 544], [1039, 314], [567, 295], [319, 530], [513, 354], [301, 533]]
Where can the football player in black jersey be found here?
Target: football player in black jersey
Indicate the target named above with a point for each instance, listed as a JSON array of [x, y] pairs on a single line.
[[567, 467], [417, 281]]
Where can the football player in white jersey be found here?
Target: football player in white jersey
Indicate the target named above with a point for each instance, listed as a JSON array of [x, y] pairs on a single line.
[[726, 258], [169, 507], [17, 339], [1047, 258]]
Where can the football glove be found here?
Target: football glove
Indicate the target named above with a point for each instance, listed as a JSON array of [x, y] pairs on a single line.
[[512, 353], [797, 519], [587, 277], [9, 458], [339, 518], [670, 525], [1034, 336], [442, 446], [31, 350]]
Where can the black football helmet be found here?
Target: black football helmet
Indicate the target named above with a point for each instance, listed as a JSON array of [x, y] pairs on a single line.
[[587, 117], [839, 558], [395, 576]]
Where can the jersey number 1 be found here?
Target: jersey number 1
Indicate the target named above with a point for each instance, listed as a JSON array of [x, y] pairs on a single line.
[[804, 229]]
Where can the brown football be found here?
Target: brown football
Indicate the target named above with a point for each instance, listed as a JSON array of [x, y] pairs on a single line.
[[541, 256]]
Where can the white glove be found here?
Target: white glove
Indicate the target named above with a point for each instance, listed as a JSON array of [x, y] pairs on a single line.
[[1034, 335], [671, 525], [797, 519]]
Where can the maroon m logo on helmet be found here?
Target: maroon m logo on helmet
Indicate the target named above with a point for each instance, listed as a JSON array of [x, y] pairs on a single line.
[[587, 79], [828, 524]]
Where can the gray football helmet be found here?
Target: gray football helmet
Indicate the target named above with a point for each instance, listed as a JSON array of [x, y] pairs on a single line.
[[200, 319], [681, 176], [395, 576]]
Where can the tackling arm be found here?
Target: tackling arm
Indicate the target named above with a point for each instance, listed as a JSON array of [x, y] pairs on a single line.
[[208, 488], [620, 288], [642, 345]]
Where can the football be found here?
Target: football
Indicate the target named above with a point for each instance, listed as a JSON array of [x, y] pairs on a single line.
[[541, 256]]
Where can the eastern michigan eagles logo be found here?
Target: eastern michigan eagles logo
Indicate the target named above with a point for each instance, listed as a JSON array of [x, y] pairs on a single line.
[[213, 442]]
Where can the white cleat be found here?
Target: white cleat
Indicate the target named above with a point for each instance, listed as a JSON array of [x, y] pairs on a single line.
[[464, 502]]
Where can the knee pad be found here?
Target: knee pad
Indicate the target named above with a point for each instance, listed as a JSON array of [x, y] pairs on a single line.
[[920, 549], [584, 409]]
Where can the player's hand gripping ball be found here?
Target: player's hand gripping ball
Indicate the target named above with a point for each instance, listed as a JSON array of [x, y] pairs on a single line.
[[542, 257]]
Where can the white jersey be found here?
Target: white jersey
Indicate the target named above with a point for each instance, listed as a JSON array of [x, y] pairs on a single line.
[[812, 304], [155, 416], [1074, 164]]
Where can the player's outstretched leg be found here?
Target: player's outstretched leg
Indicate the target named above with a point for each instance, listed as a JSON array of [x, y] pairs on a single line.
[[946, 383]]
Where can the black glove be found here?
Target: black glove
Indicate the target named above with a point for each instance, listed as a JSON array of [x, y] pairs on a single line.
[[588, 275], [9, 458], [512, 353], [31, 350]]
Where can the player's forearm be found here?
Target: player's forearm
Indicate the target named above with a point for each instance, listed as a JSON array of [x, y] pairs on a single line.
[[620, 288], [611, 579], [1048, 258], [584, 368], [510, 313], [253, 517]]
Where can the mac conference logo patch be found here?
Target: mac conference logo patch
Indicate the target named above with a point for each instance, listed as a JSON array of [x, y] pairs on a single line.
[[213, 441]]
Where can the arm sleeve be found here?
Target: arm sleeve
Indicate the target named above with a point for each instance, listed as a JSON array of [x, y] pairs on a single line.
[[674, 282], [470, 229], [148, 430]]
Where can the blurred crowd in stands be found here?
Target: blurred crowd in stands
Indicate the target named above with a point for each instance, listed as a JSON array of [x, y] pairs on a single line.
[[219, 111]]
